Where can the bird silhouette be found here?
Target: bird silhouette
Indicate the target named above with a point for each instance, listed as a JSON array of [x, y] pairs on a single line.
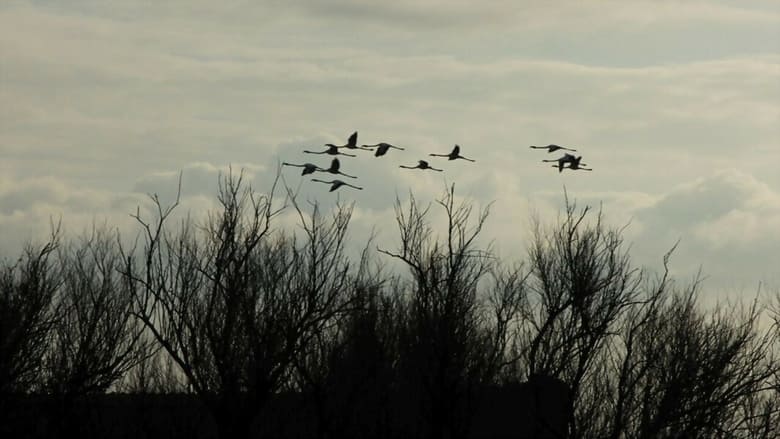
[[553, 148], [335, 167], [351, 143], [454, 154], [335, 184], [382, 148], [308, 168], [575, 165], [332, 150], [567, 158], [421, 164]]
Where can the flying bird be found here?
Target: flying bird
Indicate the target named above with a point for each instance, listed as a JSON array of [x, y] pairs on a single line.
[[308, 168], [351, 143], [421, 164], [576, 165], [552, 148], [332, 150], [567, 158], [454, 154], [335, 167], [335, 184], [381, 148]]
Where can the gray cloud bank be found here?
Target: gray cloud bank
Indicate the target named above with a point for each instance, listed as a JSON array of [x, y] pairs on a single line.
[[674, 104]]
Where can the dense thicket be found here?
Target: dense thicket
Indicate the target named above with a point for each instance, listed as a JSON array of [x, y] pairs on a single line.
[[236, 326]]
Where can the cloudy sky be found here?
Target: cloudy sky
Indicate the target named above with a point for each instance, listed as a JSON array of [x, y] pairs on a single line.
[[675, 104]]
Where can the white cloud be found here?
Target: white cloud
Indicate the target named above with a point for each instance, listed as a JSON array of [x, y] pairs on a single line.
[[197, 179], [727, 223], [30, 207]]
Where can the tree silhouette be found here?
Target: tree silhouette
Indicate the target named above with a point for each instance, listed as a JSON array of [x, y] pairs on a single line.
[[27, 291], [449, 345], [276, 332], [236, 305], [348, 371], [96, 339], [582, 282], [687, 373]]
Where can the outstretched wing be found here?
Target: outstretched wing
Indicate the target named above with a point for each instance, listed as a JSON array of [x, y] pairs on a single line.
[[335, 165], [352, 139], [456, 150]]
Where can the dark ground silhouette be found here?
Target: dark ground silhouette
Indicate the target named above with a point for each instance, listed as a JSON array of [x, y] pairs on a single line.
[[512, 411]]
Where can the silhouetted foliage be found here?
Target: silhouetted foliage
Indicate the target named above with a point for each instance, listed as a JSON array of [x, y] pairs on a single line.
[[236, 304], [234, 327], [683, 372], [95, 339], [582, 282], [27, 292], [450, 345]]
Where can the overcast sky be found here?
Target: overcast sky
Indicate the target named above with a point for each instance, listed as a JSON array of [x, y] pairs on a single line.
[[674, 104]]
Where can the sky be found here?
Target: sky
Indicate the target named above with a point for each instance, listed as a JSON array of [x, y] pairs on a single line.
[[674, 104]]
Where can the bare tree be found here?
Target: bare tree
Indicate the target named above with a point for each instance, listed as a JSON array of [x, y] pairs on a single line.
[[510, 309], [674, 369], [642, 358], [447, 341], [96, 339], [235, 303], [687, 372], [348, 368], [27, 291], [582, 283]]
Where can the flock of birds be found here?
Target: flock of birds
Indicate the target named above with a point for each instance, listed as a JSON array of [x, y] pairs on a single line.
[[382, 148], [575, 163]]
